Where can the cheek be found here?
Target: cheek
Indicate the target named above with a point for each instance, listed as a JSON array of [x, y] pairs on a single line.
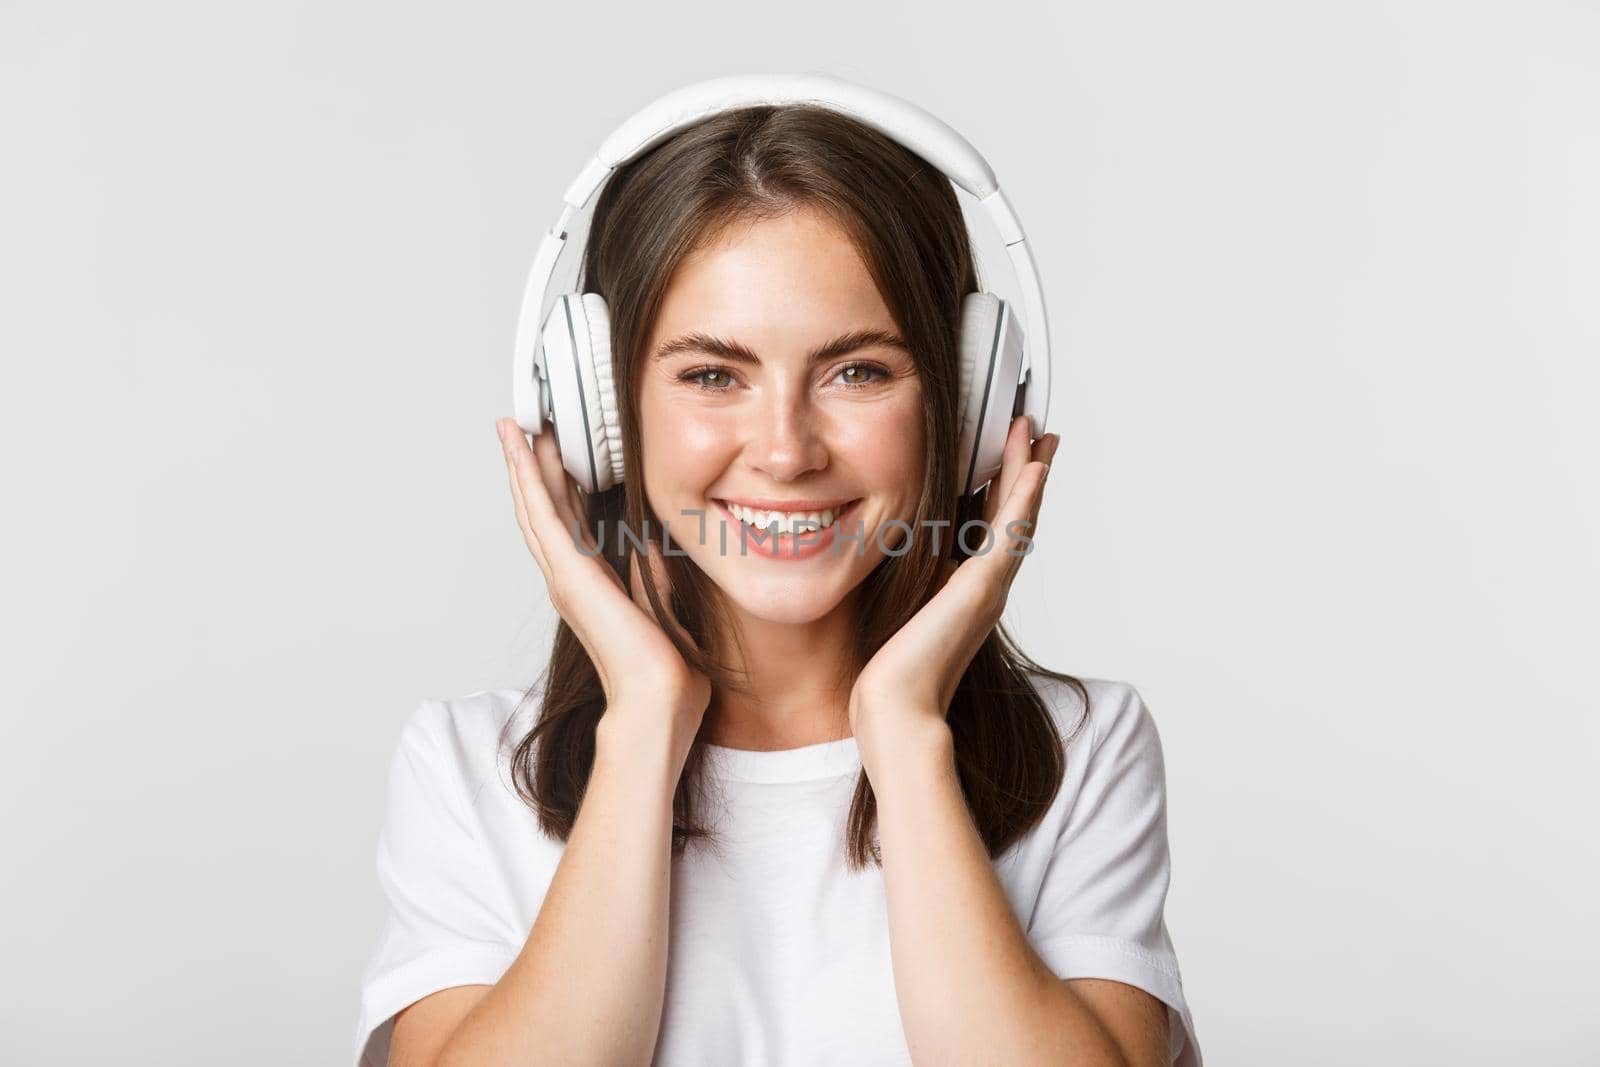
[[701, 434], [685, 447], [892, 437]]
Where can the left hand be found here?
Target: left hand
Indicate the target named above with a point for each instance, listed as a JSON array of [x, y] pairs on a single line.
[[911, 680]]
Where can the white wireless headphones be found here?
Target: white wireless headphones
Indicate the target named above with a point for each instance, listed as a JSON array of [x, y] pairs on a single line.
[[562, 370]]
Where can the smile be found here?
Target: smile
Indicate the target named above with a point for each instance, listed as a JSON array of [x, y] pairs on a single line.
[[769, 521]]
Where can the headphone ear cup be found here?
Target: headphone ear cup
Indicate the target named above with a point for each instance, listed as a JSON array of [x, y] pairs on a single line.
[[567, 342], [607, 438], [991, 354], [991, 365]]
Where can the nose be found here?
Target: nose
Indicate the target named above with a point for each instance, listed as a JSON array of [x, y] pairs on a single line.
[[787, 440]]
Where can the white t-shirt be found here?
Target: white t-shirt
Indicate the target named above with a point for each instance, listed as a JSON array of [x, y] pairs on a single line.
[[777, 953]]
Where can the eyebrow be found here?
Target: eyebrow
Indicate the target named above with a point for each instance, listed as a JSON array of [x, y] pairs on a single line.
[[733, 350]]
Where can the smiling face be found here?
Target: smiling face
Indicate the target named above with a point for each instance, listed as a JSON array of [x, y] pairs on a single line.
[[775, 377]]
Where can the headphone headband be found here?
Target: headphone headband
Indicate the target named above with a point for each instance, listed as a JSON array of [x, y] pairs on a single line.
[[899, 119]]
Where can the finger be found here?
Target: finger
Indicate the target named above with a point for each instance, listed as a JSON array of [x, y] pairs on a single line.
[[1021, 506], [554, 536], [1044, 449], [1000, 487], [570, 502], [1050, 441], [529, 534], [560, 489], [1039, 454], [1014, 549], [1011, 461], [577, 503]]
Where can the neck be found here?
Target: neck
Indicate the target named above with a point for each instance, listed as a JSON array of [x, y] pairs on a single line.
[[794, 692]]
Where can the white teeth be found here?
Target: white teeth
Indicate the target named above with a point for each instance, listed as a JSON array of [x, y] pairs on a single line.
[[782, 521]]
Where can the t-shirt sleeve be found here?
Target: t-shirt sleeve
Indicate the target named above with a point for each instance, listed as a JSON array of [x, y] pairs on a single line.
[[446, 922], [1100, 912]]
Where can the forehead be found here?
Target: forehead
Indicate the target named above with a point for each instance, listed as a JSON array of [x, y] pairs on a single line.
[[797, 273]]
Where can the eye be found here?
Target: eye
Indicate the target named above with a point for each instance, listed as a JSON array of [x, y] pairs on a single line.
[[863, 368], [717, 379], [700, 375]]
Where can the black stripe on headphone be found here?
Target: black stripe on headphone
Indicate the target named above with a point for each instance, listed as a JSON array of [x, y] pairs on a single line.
[[583, 407], [983, 408]]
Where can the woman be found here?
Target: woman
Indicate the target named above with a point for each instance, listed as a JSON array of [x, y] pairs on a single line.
[[779, 804]]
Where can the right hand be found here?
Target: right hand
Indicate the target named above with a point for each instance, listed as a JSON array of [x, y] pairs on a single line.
[[640, 669]]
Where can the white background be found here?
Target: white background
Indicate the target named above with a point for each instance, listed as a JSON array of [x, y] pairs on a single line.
[[1323, 287]]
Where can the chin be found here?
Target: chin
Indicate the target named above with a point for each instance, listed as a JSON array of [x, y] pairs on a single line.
[[778, 598], [784, 609]]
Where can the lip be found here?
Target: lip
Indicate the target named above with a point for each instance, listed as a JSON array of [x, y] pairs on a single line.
[[769, 504], [784, 548]]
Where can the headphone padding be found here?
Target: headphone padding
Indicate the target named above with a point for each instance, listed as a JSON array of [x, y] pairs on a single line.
[[980, 315], [604, 418]]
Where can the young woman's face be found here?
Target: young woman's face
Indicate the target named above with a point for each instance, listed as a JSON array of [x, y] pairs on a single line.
[[784, 385]]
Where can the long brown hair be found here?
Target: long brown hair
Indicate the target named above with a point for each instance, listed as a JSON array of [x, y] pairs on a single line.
[[903, 216]]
